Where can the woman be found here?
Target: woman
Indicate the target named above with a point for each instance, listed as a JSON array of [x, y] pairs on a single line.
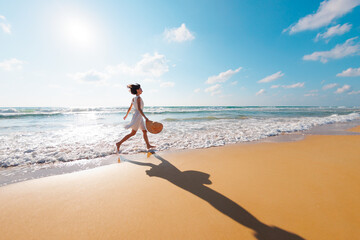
[[137, 119]]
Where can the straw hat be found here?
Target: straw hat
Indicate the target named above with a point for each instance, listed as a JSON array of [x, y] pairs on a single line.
[[154, 127]]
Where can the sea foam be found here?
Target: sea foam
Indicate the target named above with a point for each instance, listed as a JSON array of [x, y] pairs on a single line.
[[80, 134]]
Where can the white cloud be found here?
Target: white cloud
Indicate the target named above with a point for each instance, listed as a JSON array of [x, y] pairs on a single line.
[[167, 84], [149, 66], [213, 90], [348, 48], [197, 90], [296, 85], [222, 77], [4, 25], [310, 94], [180, 34], [91, 76], [11, 64], [234, 83], [335, 30], [260, 92], [216, 93], [354, 92], [327, 12], [272, 77], [343, 89], [329, 86], [350, 72]]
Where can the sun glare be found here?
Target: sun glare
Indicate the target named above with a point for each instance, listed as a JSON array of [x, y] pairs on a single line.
[[77, 31]]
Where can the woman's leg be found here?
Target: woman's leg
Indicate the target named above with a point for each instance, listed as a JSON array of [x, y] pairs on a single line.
[[147, 140], [118, 144]]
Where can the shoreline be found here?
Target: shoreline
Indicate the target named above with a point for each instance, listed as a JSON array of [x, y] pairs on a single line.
[[305, 189], [30, 172]]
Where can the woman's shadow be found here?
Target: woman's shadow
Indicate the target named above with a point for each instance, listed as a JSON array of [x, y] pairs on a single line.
[[194, 182]]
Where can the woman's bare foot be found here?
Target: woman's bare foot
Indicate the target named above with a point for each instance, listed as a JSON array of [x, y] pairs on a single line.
[[118, 147], [150, 146]]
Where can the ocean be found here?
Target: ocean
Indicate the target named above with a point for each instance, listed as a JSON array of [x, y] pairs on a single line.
[[38, 137]]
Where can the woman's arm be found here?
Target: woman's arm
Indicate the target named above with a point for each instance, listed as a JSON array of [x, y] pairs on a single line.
[[140, 110], [128, 111]]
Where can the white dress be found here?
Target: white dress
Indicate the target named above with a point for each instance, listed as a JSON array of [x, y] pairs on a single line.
[[137, 120]]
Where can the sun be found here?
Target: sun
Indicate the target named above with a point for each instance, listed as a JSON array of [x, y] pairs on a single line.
[[77, 31]]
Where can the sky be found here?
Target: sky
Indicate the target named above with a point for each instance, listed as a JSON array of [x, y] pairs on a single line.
[[183, 53]]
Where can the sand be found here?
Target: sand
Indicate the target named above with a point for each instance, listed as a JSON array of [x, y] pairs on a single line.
[[355, 129], [309, 189]]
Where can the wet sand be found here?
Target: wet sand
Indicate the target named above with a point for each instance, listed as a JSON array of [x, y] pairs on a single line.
[[355, 129], [307, 189]]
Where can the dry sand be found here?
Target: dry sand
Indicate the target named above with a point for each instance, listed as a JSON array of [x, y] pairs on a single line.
[[308, 189]]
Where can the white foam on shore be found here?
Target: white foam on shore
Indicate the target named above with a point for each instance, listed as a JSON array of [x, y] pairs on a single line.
[[95, 141]]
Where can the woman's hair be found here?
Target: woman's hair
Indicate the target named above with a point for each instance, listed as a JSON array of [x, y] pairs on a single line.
[[133, 88]]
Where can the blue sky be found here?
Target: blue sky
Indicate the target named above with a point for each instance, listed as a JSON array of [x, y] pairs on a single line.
[[272, 52]]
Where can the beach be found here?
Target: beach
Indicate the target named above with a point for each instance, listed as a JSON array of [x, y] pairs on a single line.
[[306, 189], [258, 103]]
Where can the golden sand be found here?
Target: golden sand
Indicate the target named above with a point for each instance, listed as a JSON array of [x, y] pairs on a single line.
[[308, 189]]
